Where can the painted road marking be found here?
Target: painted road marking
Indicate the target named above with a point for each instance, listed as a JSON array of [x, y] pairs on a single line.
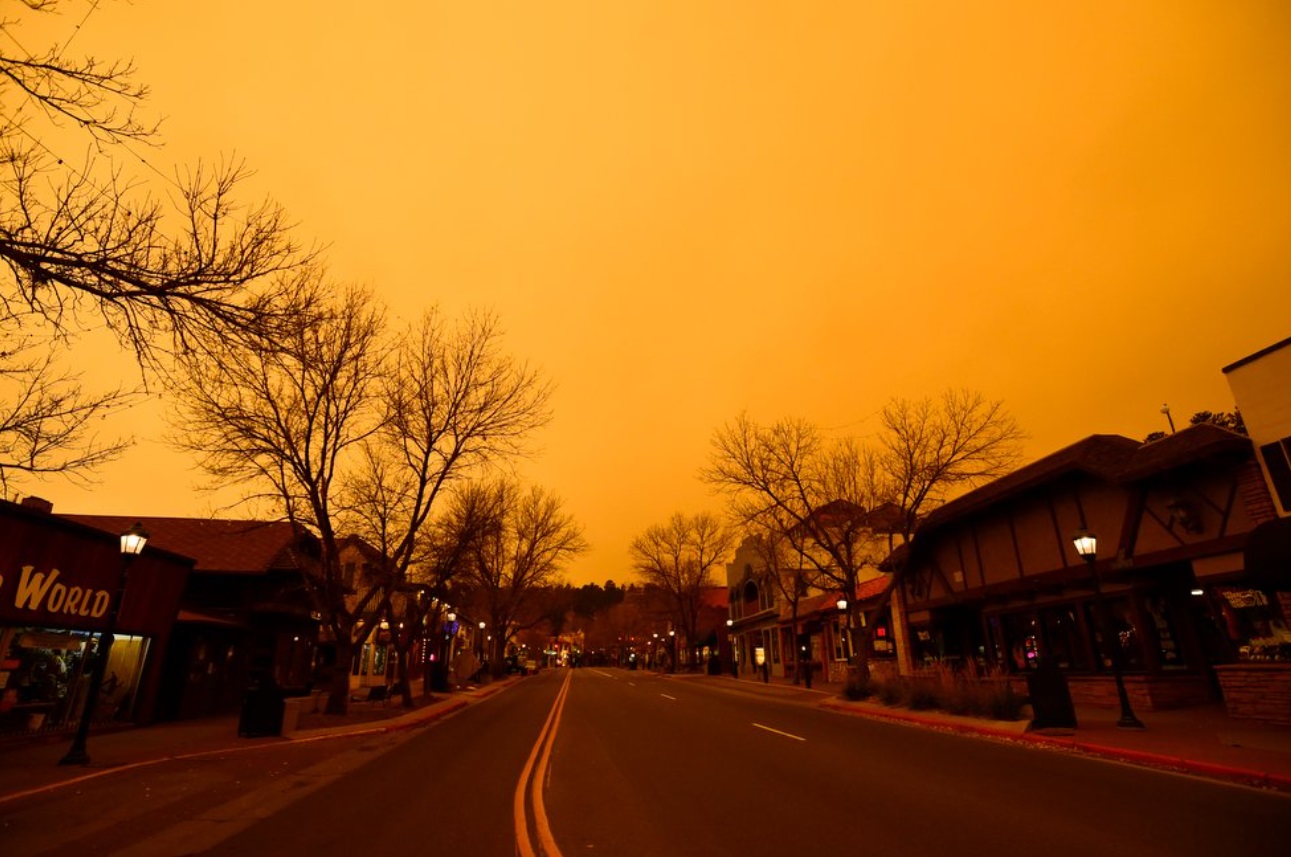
[[531, 782], [778, 732]]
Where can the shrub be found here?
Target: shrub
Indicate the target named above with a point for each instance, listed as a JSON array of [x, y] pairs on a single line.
[[1005, 703], [891, 691], [858, 687], [923, 694]]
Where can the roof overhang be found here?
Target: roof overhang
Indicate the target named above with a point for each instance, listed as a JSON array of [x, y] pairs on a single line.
[[1268, 552]]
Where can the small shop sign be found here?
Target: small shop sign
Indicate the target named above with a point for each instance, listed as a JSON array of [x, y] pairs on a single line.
[[44, 592]]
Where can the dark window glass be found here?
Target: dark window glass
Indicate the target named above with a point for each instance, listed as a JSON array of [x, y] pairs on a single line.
[[1124, 635], [1167, 639], [1275, 459], [1062, 638], [1022, 636]]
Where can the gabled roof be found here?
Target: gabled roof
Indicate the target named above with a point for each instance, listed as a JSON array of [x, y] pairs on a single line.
[[828, 602], [885, 517], [1111, 458], [218, 545], [364, 548], [1195, 443]]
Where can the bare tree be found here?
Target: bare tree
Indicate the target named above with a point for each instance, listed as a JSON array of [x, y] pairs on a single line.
[[523, 538], [842, 504], [47, 419], [452, 402], [83, 243], [785, 568], [678, 557], [84, 246], [934, 449], [814, 493], [282, 413]]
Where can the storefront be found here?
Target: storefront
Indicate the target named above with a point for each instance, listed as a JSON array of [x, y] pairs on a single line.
[[57, 582], [995, 579], [1253, 616]]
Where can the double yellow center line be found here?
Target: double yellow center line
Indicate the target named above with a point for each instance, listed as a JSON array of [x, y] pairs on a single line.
[[530, 785]]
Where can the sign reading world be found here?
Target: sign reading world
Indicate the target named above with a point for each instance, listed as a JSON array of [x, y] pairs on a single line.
[[36, 592]]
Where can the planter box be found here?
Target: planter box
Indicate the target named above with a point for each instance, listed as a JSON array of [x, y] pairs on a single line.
[[1257, 691]]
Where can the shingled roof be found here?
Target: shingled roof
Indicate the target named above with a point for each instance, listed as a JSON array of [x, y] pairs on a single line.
[[1111, 458], [218, 545]]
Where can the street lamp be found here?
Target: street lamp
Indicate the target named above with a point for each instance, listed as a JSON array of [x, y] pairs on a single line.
[[481, 639], [847, 630], [730, 643], [132, 542], [672, 639], [1087, 546]]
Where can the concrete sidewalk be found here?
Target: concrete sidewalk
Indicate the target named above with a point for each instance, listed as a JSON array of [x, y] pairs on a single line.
[[1203, 741], [32, 767]]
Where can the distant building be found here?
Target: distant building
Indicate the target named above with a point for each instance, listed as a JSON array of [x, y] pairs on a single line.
[[771, 629]]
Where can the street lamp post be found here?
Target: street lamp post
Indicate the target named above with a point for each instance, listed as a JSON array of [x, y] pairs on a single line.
[[481, 640], [730, 644], [846, 630], [672, 639], [132, 542], [1087, 546]]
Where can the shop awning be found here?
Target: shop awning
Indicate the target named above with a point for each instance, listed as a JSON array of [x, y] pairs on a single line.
[[1268, 553], [197, 618]]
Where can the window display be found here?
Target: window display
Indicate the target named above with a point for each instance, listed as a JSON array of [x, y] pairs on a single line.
[[1254, 621], [44, 674]]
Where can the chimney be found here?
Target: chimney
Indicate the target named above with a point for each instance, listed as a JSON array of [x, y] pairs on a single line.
[[37, 504]]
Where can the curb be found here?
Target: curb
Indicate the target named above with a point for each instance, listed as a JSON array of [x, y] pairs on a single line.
[[1210, 770], [391, 724]]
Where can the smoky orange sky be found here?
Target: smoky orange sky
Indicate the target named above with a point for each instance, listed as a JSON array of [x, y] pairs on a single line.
[[685, 210]]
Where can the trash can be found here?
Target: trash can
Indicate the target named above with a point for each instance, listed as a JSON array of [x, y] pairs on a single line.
[[262, 711], [1050, 697], [439, 677]]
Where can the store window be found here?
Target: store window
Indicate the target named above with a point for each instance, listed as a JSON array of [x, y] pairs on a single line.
[[45, 674], [1161, 613], [1062, 638], [1022, 640], [1124, 635], [1254, 621], [928, 646], [883, 644]]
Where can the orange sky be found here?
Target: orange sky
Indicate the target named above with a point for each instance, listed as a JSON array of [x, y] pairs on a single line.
[[682, 210]]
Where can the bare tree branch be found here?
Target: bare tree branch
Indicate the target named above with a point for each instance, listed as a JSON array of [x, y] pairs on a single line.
[[47, 419], [841, 504], [82, 244], [281, 411], [522, 540], [678, 557]]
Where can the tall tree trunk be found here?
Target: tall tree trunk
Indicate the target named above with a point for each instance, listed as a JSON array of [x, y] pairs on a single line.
[[338, 698], [401, 671]]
